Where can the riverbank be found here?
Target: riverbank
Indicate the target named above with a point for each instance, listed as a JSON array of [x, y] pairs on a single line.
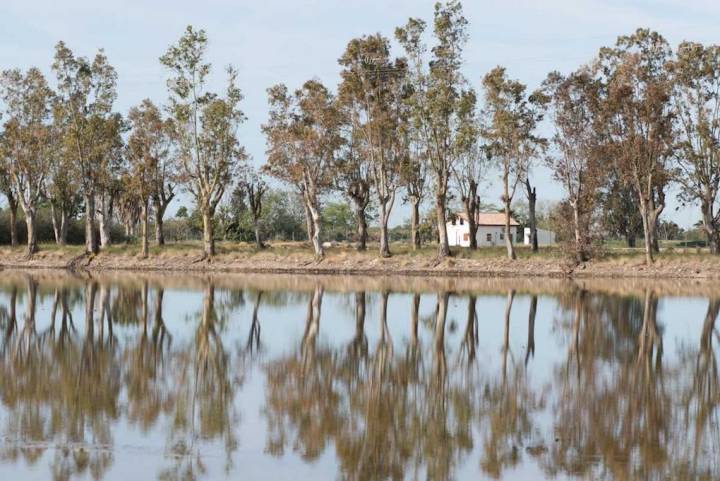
[[297, 258]]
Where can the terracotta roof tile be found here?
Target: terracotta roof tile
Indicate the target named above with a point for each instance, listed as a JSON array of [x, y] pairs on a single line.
[[490, 218]]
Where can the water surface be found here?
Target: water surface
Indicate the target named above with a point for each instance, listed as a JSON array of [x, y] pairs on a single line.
[[179, 377]]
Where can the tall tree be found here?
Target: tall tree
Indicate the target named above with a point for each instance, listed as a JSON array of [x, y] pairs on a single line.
[[205, 127], [62, 186], [575, 161], [147, 146], [372, 84], [436, 99], [696, 103], [472, 162], [414, 168], [352, 175], [303, 137], [87, 91], [165, 177], [28, 142], [638, 116], [111, 162], [511, 118]]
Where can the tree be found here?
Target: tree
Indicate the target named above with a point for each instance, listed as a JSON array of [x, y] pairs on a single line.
[[337, 219], [164, 181], [414, 168], [182, 212], [696, 104], [28, 142], [86, 91], [372, 88], [205, 127], [638, 117], [471, 162], [254, 188], [110, 168], [575, 162], [620, 212], [436, 98], [62, 186], [352, 177], [510, 121], [147, 146], [303, 136]]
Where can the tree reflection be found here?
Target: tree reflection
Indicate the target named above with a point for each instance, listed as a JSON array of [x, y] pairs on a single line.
[[387, 416], [613, 395]]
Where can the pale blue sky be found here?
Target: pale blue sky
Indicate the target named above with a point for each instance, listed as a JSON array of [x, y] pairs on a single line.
[[272, 41]]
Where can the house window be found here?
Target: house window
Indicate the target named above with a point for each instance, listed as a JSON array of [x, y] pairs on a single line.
[[466, 237], [452, 221], [462, 221], [502, 236], [488, 237]]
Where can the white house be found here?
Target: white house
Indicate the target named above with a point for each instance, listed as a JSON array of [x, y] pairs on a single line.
[[544, 237], [491, 230]]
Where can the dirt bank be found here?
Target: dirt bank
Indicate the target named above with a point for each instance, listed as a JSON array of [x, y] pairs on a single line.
[[349, 262]]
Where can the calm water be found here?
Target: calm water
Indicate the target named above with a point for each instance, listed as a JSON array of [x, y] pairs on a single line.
[[261, 377]]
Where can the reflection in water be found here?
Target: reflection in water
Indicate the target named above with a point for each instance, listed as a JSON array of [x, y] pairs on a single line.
[[607, 394]]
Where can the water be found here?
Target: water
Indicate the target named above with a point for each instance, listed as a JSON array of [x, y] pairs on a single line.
[[166, 377]]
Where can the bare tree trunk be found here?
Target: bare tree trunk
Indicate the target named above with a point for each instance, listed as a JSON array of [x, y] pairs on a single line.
[[647, 231], [208, 234], [91, 244], [256, 227], [385, 209], [532, 219], [312, 211], [13, 207], [316, 221], [415, 223], [159, 208], [506, 199], [105, 219], [508, 234], [145, 222], [581, 238], [361, 220], [308, 218], [471, 204], [55, 223], [710, 227], [655, 240], [31, 231], [443, 244]]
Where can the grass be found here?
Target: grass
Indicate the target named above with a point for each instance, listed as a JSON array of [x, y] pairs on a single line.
[[613, 252]]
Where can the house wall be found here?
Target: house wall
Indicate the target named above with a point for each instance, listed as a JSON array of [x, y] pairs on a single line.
[[487, 236], [545, 237]]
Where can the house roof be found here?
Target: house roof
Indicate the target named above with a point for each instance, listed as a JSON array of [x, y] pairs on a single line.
[[490, 218]]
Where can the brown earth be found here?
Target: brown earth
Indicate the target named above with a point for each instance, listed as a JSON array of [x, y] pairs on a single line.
[[297, 259]]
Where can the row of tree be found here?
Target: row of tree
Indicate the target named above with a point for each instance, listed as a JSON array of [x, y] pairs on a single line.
[[635, 119]]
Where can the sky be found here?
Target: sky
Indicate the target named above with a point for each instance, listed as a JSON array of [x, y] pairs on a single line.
[[272, 41]]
